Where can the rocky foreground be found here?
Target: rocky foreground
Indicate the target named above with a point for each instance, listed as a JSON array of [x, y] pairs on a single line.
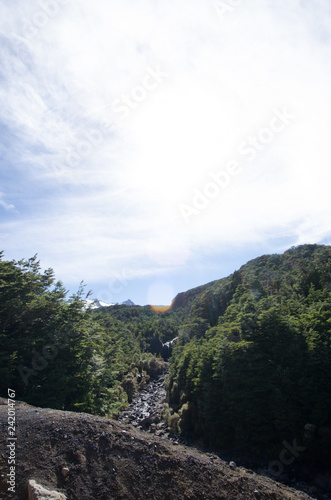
[[86, 457]]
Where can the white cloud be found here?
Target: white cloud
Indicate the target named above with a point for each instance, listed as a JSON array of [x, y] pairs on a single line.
[[116, 180], [4, 204]]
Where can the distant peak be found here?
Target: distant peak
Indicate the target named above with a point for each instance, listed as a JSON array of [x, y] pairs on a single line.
[[96, 303], [128, 303]]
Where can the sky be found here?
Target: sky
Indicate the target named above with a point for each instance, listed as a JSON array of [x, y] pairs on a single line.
[[148, 146]]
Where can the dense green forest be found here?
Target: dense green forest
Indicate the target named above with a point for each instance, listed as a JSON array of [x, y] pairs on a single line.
[[251, 366], [56, 353]]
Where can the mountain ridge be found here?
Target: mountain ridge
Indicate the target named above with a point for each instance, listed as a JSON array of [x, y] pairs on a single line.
[[251, 365], [96, 303]]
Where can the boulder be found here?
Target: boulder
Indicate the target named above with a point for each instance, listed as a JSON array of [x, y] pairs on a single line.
[[65, 471], [38, 492]]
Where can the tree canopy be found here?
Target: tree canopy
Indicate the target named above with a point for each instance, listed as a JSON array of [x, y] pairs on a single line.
[[251, 366], [258, 368]]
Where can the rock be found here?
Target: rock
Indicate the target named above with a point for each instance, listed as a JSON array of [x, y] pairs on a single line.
[[257, 494], [65, 471], [233, 465], [38, 492]]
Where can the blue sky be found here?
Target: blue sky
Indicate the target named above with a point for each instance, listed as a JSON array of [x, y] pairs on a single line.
[[148, 147]]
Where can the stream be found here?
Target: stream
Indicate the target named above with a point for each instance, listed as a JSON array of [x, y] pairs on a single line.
[[145, 413], [145, 410]]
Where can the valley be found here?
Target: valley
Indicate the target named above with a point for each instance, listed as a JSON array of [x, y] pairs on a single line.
[[238, 368]]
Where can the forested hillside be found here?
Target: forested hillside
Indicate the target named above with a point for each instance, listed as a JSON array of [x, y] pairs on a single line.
[[252, 365], [55, 352]]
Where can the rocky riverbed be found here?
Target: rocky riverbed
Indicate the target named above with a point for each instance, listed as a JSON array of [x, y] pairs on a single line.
[[145, 413], [145, 410]]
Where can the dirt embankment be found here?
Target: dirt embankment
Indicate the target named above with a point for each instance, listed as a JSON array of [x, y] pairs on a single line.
[[88, 457]]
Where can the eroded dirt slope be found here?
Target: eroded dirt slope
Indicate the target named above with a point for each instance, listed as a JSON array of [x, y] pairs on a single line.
[[110, 460]]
